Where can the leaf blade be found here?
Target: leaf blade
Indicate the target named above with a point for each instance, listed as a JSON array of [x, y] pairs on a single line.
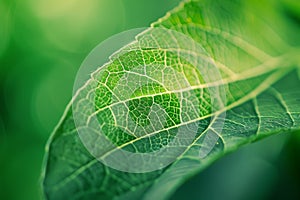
[[127, 182]]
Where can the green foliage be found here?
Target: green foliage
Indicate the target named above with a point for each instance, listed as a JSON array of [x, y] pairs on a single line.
[[250, 43]]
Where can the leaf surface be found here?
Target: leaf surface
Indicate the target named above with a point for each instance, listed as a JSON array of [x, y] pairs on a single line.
[[207, 78]]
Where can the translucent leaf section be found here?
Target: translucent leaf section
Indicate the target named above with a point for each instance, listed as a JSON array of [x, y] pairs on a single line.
[[140, 111]]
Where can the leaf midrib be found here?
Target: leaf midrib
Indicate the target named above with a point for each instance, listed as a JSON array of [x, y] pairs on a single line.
[[262, 69]]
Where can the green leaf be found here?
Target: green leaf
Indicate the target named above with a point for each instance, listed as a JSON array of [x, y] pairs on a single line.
[[207, 78]]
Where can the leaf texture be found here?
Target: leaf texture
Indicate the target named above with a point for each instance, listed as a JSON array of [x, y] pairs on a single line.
[[208, 77]]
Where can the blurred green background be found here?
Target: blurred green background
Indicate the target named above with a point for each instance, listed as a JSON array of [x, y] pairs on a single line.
[[42, 45]]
